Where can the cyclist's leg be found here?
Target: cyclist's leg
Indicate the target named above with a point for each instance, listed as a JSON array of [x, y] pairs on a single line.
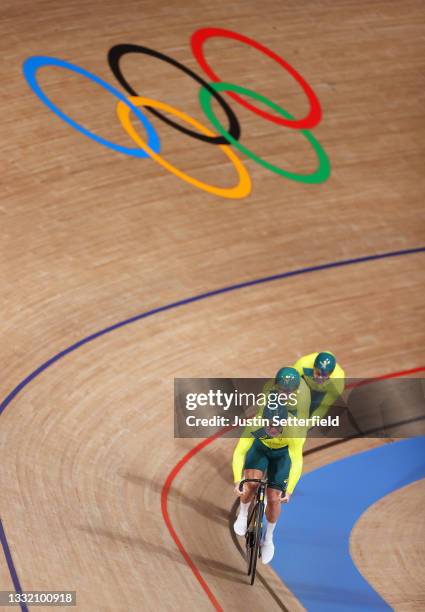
[[255, 466], [278, 473], [250, 488], [256, 463]]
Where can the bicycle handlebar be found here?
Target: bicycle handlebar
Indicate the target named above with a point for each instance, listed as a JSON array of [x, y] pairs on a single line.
[[264, 481]]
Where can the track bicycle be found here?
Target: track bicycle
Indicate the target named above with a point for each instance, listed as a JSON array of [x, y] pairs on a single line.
[[255, 523]]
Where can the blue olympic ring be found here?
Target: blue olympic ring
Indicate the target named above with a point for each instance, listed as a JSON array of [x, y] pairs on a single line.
[[32, 64]]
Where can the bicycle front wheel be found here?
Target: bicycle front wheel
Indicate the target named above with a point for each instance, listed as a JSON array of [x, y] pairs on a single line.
[[258, 524], [250, 538]]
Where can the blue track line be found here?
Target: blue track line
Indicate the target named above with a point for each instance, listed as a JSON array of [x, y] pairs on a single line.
[[11, 565], [150, 313], [196, 298]]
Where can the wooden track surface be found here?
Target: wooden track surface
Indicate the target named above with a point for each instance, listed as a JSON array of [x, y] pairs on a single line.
[[90, 237], [396, 526]]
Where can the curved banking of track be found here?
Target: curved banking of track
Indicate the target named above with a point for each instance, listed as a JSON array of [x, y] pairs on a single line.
[[100, 498]]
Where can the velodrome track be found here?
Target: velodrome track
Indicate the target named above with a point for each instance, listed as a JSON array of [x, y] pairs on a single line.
[[92, 238]]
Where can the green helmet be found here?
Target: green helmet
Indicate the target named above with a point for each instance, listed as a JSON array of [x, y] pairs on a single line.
[[288, 379], [325, 362]]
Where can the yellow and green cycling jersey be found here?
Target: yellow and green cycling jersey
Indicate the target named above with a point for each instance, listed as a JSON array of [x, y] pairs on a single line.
[[323, 395], [294, 444]]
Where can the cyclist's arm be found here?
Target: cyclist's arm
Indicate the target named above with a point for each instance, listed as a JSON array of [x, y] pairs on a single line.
[[304, 362], [331, 396], [242, 447], [303, 401], [247, 440], [295, 448]]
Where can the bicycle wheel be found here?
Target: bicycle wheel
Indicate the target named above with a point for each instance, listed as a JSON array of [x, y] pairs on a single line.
[[257, 537], [250, 538]]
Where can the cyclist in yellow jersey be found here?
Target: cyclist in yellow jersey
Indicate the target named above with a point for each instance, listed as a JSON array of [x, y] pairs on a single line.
[[325, 379], [262, 450]]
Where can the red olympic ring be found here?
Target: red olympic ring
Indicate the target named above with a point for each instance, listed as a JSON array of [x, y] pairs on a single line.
[[308, 122]]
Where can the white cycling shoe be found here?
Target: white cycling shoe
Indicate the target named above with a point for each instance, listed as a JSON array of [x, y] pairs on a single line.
[[240, 525], [267, 552]]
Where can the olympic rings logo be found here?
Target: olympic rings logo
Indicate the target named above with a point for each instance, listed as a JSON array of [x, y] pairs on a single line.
[[224, 138]]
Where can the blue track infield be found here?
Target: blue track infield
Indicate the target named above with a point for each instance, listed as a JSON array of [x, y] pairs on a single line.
[[313, 535]]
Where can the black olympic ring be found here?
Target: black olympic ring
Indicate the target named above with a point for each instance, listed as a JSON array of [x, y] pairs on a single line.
[[116, 53]]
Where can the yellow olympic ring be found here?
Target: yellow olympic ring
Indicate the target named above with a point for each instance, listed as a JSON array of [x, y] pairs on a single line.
[[240, 191]]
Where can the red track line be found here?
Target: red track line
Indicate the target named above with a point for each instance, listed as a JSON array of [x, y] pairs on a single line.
[[164, 501], [196, 449], [360, 383]]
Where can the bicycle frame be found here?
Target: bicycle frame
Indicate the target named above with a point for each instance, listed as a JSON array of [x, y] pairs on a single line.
[[255, 522]]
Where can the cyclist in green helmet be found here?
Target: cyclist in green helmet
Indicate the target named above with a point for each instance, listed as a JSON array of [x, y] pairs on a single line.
[[273, 451], [325, 379]]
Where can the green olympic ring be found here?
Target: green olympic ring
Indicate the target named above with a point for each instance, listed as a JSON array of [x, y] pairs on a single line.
[[318, 176]]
